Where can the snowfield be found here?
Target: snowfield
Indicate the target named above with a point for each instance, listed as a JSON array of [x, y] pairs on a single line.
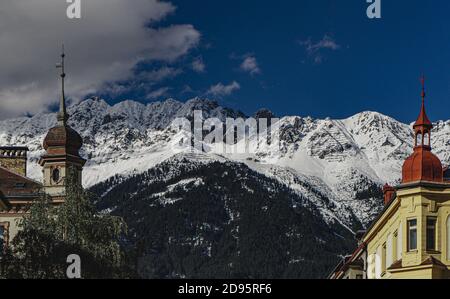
[[346, 161]]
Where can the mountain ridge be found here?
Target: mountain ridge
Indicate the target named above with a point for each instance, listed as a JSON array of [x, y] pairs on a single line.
[[344, 158]]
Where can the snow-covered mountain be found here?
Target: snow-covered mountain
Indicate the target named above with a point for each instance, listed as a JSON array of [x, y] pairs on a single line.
[[198, 216], [344, 160]]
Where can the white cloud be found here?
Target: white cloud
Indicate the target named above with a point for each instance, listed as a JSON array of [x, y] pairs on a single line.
[[198, 65], [102, 47], [161, 74], [314, 49], [158, 93], [221, 90], [187, 89], [250, 65]]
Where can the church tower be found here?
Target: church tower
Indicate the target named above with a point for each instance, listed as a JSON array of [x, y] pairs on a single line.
[[62, 145], [422, 165]]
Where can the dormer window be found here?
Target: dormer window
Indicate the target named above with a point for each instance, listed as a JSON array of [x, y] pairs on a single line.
[[19, 186]]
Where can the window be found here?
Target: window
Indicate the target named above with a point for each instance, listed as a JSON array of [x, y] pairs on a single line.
[[383, 260], [431, 233], [412, 235], [399, 242], [419, 139], [3, 236], [389, 251], [378, 263], [426, 139], [19, 186], [448, 238], [371, 266], [55, 175]]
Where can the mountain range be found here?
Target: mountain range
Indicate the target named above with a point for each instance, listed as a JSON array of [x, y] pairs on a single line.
[[318, 188]]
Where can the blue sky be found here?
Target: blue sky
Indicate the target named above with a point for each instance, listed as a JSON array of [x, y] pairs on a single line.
[[321, 58], [375, 65]]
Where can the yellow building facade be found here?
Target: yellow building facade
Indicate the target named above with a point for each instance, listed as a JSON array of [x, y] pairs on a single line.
[[411, 237]]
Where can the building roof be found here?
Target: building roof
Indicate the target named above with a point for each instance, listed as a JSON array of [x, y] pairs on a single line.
[[66, 137], [17, 148], [422, 119], [422, 165], [349, 261], [430, 261], [14, 186]]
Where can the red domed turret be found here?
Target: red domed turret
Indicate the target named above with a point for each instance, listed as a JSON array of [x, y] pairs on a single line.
[[422, 165]]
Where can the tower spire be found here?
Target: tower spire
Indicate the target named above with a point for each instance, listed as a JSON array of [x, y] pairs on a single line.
[[423, 125], [62, 114], [422, 80], [422, 165], [423, 119]]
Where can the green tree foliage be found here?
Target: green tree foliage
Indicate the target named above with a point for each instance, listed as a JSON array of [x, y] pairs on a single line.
[[50, 233]]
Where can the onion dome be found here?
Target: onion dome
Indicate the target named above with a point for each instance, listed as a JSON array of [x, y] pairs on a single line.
[[422, 165], [64, 136], [62, 139]]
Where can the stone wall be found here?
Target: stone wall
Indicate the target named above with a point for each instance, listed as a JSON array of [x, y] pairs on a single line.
[[14, 159]]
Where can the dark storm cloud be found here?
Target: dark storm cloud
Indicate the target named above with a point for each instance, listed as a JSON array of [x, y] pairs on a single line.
[[102, 47]]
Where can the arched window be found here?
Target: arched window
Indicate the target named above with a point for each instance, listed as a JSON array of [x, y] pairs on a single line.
[[419, 139], [55, 175], [399, 242], [448, 238], [426, 139]]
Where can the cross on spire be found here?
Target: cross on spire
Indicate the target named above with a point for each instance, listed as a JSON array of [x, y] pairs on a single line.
[[62, 114], [422, 80]]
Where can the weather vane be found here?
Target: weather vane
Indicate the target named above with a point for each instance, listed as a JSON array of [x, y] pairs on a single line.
[[422, 80], [62, 115]]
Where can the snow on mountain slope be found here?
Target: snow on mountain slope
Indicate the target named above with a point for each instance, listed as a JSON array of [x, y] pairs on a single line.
[[128, 137], [352, 157], [222, 218], [348, 160]]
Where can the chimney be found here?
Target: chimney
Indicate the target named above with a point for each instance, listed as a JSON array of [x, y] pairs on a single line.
[[14, 159], [389, 194]]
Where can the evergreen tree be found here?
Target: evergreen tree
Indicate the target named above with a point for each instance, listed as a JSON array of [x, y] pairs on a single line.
[[49, 234]]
